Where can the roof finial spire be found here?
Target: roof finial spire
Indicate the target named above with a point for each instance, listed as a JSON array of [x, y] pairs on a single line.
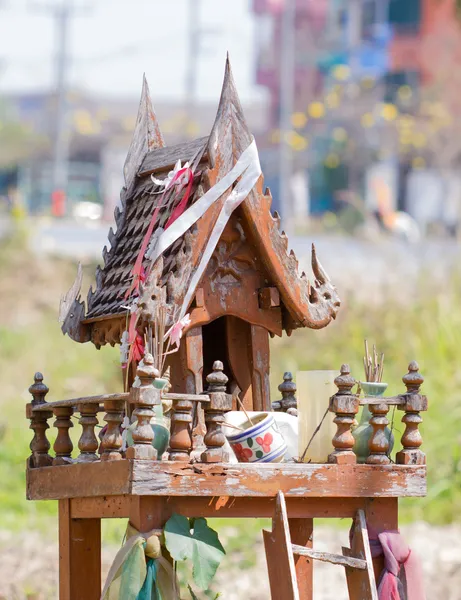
[[147, 136], [230, 129]]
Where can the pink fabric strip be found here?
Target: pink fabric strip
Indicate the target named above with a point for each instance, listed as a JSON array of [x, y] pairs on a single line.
[[397, 554]]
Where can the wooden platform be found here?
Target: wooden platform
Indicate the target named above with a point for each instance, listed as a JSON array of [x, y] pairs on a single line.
[[163, 478]]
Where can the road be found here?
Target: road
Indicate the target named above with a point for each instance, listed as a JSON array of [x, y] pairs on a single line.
[[373, 267]]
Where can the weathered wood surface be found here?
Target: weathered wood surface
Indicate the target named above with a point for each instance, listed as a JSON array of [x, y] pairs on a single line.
[[302, 533], [165, 158], [334, 559], [83, 400], [164, 478], [267, 479], [279, 555]]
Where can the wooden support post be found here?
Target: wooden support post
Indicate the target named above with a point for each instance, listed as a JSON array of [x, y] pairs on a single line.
[[345, 405], [39, 445], [381, 514], [79, 556], [63, 445], [219, 404], [144, 398], [111, 444], [302, 534], [88, 443], [260, 355], [414, 404]]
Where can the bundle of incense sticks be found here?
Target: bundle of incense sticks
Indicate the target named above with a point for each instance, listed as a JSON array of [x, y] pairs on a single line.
[[374, 367]]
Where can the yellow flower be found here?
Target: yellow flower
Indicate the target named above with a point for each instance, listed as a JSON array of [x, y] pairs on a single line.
[[316, 110], [341, 72], [389, 112], [298, 120], [367, 120]]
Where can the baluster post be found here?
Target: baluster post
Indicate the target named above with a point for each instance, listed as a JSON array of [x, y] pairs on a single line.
[[144, 397], [378, 443], [288, 402], [39, 445], [63, 445], [181, 431], [345, 405], [414, 404], [111, 444], [215, 409], [88, 443]]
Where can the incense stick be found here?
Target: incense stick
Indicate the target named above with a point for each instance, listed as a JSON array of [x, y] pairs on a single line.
[[243, 408]]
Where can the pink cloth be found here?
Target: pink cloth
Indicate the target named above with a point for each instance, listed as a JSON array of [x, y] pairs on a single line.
[[402, 577]]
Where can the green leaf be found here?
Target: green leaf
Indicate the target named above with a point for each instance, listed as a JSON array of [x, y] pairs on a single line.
[[177, 537], [207, 553], [259, 454], [250, 442], [202, 547]]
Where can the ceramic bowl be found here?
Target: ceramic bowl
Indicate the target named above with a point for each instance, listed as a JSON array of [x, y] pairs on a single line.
[[260, 441]]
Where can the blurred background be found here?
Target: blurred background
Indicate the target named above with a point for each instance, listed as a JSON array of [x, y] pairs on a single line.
[[356, 110]]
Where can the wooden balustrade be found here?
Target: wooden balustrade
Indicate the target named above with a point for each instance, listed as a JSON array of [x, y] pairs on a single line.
[[414, 404], [39, 445], [181, 430], [215, 409], [345, 405]]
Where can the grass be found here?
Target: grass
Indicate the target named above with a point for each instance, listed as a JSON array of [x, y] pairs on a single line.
[[30, 340]]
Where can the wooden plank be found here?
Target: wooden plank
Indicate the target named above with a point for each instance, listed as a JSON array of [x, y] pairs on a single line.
[[334, 559], [302, 533], [260, 355], [307, 480], [79, 479], [164, 478], [79, 556], [279, 556], [361, 583], [164, 159], [300, 511]]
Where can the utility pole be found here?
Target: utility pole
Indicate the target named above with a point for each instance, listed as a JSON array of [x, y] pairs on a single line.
[[62, 13], [287, 77]]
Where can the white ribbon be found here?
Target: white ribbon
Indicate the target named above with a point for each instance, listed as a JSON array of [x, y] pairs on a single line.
[[248, 168]]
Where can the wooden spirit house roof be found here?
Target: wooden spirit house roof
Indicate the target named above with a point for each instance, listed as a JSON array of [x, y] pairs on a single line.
[[252, 249]]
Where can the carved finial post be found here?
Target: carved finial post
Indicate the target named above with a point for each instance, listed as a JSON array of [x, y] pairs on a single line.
[[39, 424], [63, 445], [112, 442], [88, 443], [144, 398], [414, 404], [288, 402], [219, 404], [345, 405]]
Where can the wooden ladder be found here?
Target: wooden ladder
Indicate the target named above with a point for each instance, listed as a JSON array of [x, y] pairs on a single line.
[[281, 566]]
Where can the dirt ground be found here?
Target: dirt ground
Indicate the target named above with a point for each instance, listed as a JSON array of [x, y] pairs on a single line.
[[28, 566]]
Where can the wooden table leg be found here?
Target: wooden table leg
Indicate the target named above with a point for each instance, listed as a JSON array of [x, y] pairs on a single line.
[[381, 514], [301, 533], [79, 556]]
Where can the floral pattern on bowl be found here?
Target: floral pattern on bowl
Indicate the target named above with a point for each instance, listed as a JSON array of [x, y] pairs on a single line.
[[260, 442]]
